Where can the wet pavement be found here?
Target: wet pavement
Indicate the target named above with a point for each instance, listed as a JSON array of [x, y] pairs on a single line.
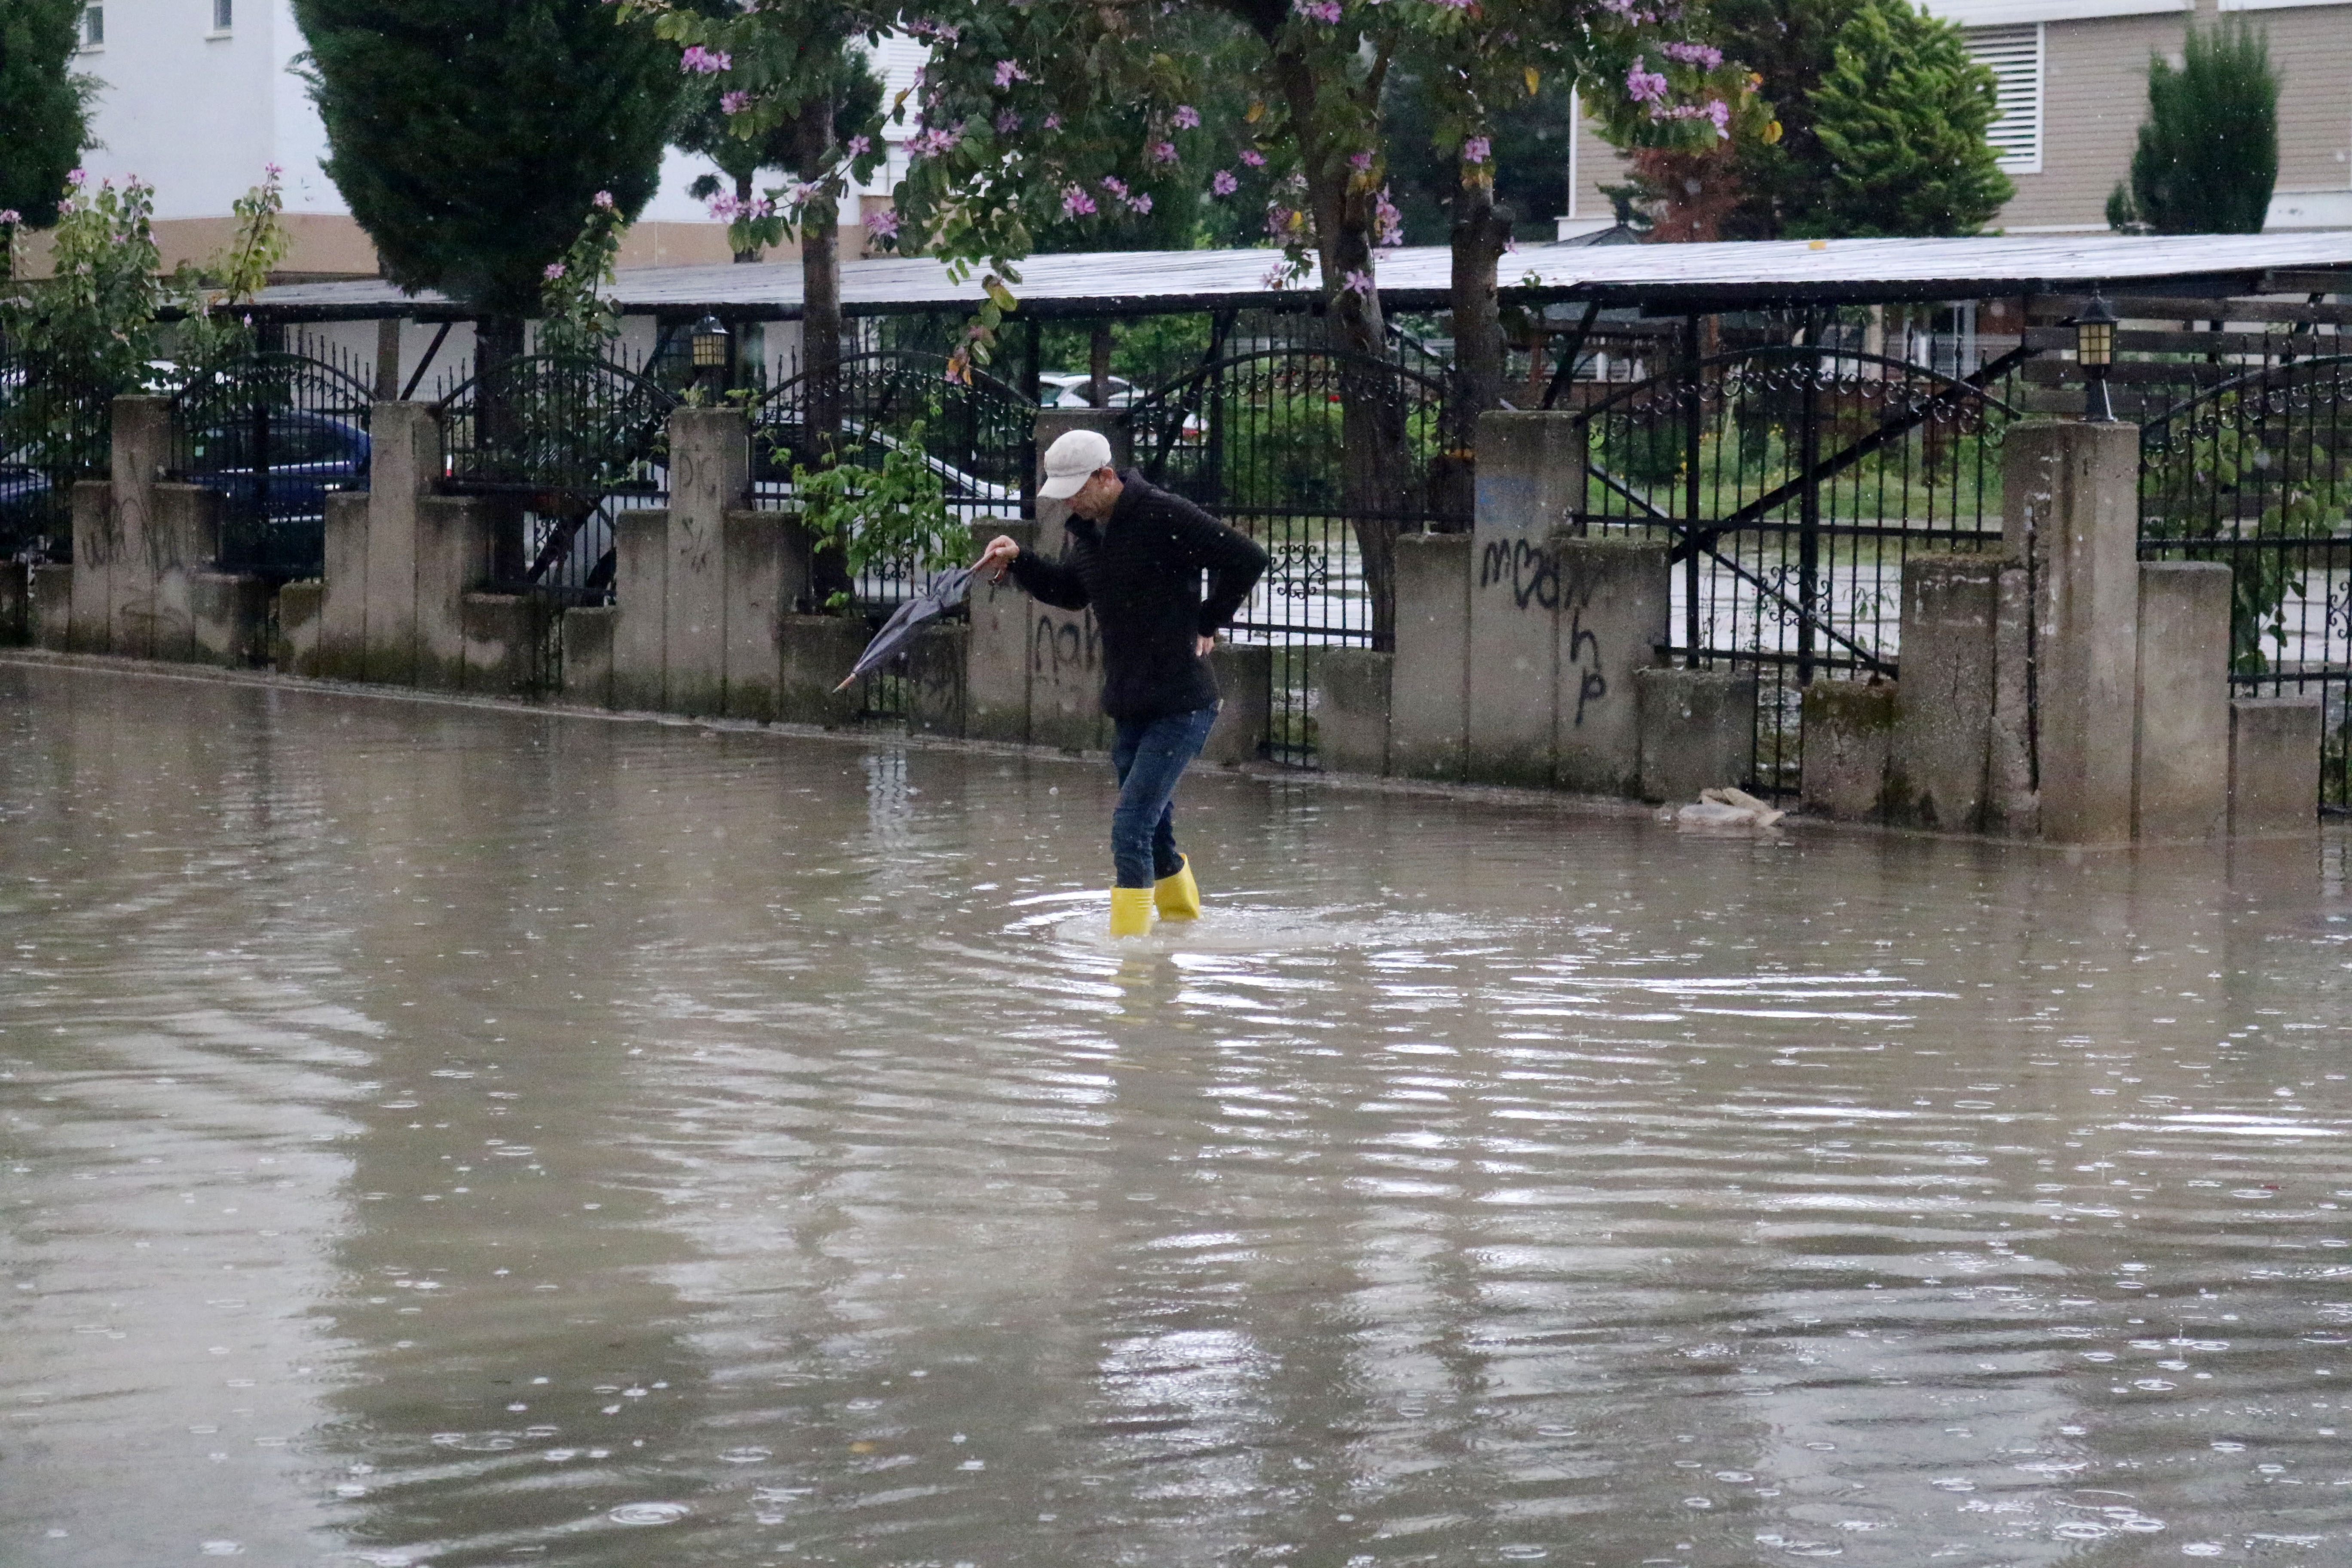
[[438, 1134]]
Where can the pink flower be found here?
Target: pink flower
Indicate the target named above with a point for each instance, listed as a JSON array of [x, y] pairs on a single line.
[[1223, 183], [1008, 72], [725, 207], [1357, 283], [1163, 152], [882, 223], [1053, 122], [1720, 112], [604, 199], [1388, 223], [1114, 184], [1187, 117], [1645, 86], [931, 143], [554, 271], [1475, 150], [10, 216], [1139, 202], [1324, 11], [734, 102], [705, 62], [859, 146], [273, 170], [1703, 55], [1253, 158], [1360, 162], [77, 177], [1076, 203], [1007, 123]]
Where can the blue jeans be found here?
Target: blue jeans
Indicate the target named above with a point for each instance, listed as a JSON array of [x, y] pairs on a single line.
[[1150, 756]]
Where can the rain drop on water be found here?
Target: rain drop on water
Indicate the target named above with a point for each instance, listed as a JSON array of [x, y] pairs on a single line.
[[648, 1513]]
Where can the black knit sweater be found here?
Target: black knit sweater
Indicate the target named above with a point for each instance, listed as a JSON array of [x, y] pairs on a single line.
[[1140, 572]]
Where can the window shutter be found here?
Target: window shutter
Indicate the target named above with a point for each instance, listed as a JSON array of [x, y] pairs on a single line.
[[2013, 55]]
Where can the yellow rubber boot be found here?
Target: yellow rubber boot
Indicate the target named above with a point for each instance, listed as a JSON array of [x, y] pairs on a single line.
[[1131, 911], [1177, 898]]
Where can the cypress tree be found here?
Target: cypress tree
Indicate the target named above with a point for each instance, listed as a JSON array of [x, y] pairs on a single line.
[[1883, 117], [470, 139], [2208, 152], [43, 104], [1901, 117]]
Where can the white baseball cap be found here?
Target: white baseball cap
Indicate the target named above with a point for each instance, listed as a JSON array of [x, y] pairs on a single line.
[[1071, 461]]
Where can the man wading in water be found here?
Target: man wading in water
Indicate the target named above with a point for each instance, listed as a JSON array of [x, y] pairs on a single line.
[[1136, 556]]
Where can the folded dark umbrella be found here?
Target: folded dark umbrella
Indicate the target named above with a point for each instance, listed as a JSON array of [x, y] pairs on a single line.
[[947, 590]]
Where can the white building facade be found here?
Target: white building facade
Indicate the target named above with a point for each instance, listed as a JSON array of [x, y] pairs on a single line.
[[200, 96]]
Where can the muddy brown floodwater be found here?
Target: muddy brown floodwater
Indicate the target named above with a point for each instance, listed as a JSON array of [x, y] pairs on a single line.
[[445, 1135]]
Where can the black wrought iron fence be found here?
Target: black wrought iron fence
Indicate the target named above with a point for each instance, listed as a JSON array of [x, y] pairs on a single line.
[[2256, 473], [1792, 483], [1323, 456], [974, 433], [274, 433], [55, 430], [568, 443]]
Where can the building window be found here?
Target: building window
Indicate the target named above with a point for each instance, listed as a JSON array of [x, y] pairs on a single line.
[[224, 15], [93, 26], [2014, 57]]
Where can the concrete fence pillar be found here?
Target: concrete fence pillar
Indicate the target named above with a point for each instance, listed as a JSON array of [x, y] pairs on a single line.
[[1065, 649], [2071, 511], [710, 476], [113, 530], [1530, 479], [2181, 785], [367, 621]]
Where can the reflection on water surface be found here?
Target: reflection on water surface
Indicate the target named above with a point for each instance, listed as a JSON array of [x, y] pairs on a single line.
[[441, 1135]]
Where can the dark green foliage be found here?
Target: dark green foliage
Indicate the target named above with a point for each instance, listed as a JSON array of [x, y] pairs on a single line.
[[2208, 152], [43, 106], [470, 139], [1883, 117], [1531, 139], [1902, 117]]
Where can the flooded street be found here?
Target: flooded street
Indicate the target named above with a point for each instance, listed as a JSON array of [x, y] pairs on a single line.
[[433, 1134]]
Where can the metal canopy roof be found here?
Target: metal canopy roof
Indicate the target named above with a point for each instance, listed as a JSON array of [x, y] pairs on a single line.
[[1664, 278]]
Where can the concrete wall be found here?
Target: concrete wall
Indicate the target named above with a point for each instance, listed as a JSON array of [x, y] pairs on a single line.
[[708, 592], [1428, 696]]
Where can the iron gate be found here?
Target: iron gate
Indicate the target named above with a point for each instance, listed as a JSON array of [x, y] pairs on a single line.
[[1793, 482], [2256, 473], [273, 434], [1323, 456], [975, 433]]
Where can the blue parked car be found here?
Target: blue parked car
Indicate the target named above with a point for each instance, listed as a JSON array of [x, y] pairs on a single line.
[[307, 455], [32, 510]]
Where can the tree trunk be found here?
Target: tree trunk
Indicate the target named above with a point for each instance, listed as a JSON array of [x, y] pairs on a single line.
[[821, 314], [1481, 230], [498, 432], [1376, 474], [743, 201]]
